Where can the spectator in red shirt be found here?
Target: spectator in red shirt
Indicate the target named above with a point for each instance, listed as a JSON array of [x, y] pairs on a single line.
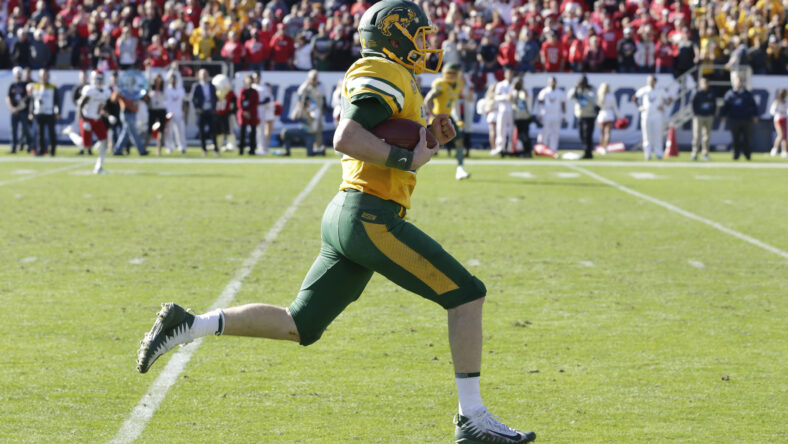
[[68, 12], [573, 4], [157, 55], [497, 28], [593, 56], [477, 26], [665, 53], [233, 50], [359, 7], [193, 11], [282, 48], [599, 14], [265, 31], [552, 54], [608, 41], [551, 11], [641, 21], [663, 25], [657, 6], [575, 53], [257, 53], [506, 52], [534, 24]]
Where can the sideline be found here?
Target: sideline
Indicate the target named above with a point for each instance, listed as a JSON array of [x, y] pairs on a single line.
[[482, 158], [135, 424]]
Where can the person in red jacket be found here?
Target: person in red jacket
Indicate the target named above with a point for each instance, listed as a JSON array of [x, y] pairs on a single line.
[[552, 54], [233, 50], [506, 52], [282, 49], [247, 114], [158, 57], [575, 52]]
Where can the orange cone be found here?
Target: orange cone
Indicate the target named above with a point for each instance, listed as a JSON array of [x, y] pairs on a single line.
[[672, 146]]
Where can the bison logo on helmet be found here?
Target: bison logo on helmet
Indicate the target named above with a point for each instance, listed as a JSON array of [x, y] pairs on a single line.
[[402, 16]]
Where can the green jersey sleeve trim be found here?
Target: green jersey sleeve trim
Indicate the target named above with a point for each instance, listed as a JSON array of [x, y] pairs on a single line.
[[369, 111]]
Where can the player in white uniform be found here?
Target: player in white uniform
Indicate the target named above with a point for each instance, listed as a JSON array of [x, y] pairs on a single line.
[[91, 107], [504, 129], [265, 114], [552, 110], [652, 103], [175, 132]]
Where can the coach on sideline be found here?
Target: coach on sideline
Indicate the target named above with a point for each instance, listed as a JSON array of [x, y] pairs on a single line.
[[46, 111], [741, 112], [18, 103], [204, 101]]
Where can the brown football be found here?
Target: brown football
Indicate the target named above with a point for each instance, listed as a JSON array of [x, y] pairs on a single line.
[[403, 133]]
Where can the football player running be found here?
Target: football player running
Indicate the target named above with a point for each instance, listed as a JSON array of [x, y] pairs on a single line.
[[364, 230], [444, 98], [90, 107]]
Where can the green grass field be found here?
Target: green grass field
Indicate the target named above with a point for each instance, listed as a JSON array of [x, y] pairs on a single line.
[[610, 318]]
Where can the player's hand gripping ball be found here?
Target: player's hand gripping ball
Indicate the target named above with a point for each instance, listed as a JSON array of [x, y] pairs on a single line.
[[403, 133]]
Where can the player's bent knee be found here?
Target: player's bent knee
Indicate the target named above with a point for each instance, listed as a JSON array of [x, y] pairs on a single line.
[[309, 337], [473, 290]]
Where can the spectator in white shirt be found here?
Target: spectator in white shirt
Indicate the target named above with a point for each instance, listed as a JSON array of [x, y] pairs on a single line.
[[302, 57]]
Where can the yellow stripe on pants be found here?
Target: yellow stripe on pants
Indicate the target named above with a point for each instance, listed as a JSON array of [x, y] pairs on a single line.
[[409, 259]]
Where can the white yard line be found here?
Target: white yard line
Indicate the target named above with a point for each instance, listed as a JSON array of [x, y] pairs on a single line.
[[684, 213], [142, 413], [43, 173]]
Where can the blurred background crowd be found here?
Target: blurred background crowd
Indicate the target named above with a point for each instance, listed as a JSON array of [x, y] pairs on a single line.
[[484, 36]]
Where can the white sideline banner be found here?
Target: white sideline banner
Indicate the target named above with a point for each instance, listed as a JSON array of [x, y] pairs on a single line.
[[286, 83]]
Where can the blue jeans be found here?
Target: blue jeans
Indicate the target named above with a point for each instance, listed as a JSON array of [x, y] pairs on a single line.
[[128, 134], [289, 134], [18, 119]]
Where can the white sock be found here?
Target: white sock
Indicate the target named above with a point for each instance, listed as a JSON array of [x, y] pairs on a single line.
[[211, 323], [102, 153], [469, 393]]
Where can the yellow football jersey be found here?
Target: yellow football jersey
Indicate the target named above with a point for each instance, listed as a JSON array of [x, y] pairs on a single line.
[[394, 86], [448, 93]]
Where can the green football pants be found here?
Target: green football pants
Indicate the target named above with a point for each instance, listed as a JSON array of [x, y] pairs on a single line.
[[363, 234]]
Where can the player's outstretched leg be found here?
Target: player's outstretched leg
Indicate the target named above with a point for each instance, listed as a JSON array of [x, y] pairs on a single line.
[[176, 326], [475, 425]]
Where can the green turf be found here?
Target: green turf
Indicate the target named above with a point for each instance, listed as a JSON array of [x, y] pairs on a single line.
[[598, 327]]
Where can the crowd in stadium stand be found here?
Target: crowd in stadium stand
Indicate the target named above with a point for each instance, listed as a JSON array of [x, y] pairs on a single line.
[[484, 36]]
